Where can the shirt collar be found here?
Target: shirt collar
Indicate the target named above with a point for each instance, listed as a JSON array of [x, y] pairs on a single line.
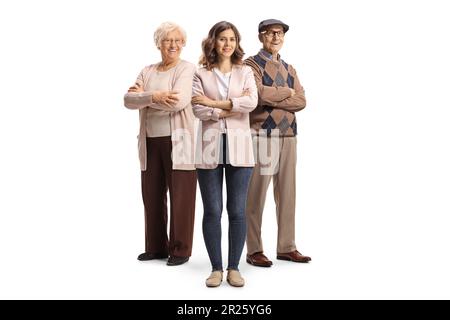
[[267, 55]]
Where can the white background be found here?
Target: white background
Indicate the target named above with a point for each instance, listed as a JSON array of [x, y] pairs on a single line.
[[373, 171]]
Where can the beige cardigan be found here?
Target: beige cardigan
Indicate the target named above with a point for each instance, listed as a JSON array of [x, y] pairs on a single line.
[[181, 116], [239, 138]]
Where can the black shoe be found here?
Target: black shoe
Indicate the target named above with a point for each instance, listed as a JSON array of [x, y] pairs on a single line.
[[176, 261], [150, 256]]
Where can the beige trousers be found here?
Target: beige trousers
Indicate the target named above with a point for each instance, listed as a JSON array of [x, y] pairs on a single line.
[[275, 157]]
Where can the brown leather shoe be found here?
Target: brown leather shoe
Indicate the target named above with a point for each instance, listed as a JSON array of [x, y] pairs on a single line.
[[293, 256], [258, 259]]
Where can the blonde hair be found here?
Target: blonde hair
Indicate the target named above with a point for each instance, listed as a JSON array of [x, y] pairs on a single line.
[[164, 29]]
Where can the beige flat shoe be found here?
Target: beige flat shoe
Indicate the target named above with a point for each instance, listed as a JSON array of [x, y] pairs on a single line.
[[235, 279], [215, 279]]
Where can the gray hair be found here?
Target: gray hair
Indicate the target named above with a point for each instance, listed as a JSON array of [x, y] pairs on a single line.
[[164, 29]]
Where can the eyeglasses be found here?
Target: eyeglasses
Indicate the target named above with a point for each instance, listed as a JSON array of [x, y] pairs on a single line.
[[271, 33], [178, 42]]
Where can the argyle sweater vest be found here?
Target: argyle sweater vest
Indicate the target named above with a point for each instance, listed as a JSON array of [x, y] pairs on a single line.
[[273, 120]]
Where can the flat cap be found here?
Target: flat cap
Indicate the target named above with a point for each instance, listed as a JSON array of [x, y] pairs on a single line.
[[265, 23]]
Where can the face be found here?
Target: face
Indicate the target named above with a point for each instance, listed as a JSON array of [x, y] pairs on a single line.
[[225, 44], [171, 46], [272, 39]]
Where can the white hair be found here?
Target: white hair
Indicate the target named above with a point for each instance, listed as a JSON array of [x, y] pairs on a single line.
[[164, 29]]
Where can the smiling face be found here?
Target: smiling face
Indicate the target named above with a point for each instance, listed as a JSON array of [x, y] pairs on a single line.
[[225, 44], [272, 38], [171, 46]]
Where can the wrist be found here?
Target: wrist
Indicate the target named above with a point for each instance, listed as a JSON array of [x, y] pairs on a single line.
[[155, 97], [230, 106]]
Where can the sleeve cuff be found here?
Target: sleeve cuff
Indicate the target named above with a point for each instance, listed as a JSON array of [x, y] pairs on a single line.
[[235, 105], [215, 114], [145, 96]]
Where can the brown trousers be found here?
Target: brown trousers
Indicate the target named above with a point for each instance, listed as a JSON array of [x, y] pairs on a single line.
[[284, 192], [182, 186]]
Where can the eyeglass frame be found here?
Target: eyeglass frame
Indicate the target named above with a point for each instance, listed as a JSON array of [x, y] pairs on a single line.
[[169, 41], [280, 33]]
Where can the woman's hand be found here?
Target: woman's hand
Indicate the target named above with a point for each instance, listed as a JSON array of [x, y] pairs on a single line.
[[135, 88], [218, 104], [167, 98], [226, 114], [203, 100]]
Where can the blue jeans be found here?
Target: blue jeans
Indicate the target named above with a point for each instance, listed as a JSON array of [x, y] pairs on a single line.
[[211, 181]]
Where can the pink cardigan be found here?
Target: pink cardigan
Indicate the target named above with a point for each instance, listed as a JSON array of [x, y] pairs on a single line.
[[181, 116], [239, 138]]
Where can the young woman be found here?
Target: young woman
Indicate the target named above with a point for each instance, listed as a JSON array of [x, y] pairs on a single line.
[[224, 92]]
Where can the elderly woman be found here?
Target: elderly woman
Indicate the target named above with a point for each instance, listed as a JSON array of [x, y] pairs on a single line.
[[162, 94], [224, 93]]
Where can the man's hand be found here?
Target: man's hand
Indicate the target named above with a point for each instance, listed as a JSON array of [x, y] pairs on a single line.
[[203, 100], [167, 98], [292, 92]]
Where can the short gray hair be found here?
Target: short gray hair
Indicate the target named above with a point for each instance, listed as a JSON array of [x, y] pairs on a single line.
[[164, 29]]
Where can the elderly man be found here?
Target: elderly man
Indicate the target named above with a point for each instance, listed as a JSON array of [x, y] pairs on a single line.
[[274, 124]]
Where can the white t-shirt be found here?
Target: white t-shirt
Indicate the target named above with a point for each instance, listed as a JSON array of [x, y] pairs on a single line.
[[223, 83]]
